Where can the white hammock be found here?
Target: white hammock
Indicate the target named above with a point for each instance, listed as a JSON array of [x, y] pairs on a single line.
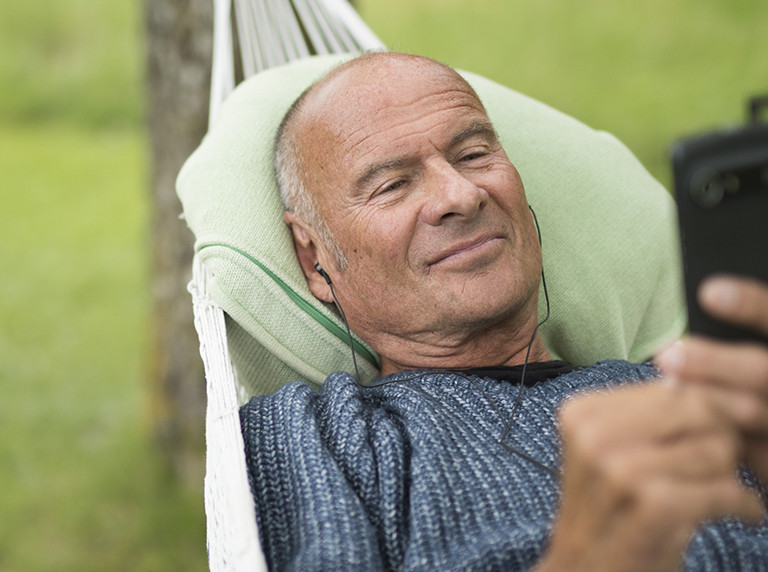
[[271, 33], [275, 32]]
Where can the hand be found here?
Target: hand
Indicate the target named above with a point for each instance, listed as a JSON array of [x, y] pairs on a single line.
[[736, 372], [643, 466]]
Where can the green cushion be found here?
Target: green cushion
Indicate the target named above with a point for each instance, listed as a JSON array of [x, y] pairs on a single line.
[[610, 244]]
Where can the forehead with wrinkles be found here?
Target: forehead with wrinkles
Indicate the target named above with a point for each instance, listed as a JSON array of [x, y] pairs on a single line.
[[360, 98]]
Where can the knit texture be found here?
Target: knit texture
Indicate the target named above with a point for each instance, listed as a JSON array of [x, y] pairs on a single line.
[[411, 476]]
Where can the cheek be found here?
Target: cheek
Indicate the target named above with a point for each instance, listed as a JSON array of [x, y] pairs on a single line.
[[508, 192], [382, 239], [511, 191]]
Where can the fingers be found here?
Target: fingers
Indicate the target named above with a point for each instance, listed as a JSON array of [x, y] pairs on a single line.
[[667, 499], [650, 431], [642, 438], [642, 468], [737, 366], [737, 374], [651, 412], [694, 458], [741, 301]]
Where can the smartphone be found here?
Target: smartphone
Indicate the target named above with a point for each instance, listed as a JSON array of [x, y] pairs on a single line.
[[721, 189]]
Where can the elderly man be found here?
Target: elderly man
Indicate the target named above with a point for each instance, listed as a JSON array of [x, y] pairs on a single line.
[[405, 208]]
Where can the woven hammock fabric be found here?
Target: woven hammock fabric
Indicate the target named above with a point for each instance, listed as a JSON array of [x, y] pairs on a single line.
[[274, 32], [270, 33]]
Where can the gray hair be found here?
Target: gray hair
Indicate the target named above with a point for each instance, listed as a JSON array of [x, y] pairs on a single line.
[[289, 169]]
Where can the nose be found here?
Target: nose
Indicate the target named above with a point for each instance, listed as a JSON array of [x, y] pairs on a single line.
[[451, 195]]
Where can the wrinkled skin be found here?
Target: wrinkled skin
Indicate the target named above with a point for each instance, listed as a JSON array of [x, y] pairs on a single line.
[[443, 256]]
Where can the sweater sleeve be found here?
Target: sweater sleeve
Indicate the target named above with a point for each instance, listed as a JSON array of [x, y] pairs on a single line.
[[311, 514], [731, 544]]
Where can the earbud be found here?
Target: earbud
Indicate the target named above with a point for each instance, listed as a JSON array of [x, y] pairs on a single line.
[[323, 273], [343, 317]]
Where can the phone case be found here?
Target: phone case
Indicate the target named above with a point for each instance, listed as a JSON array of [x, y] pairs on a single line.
[[721, 188]]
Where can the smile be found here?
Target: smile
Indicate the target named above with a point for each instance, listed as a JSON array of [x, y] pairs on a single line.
[[470, 254]]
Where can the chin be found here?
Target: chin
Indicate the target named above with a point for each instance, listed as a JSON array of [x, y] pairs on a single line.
[[486, 308], [493, 300]]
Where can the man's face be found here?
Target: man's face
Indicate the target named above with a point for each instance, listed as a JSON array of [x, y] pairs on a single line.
[[429, 211]]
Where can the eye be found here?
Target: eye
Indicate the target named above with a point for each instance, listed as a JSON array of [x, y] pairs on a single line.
[[472, 155], [395, 185], [392, 186]]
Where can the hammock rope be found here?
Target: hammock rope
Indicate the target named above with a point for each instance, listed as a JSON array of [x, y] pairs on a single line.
[[275, 32], [270, 33]]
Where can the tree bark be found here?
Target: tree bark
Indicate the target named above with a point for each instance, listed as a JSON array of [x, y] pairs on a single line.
[[179, 47]]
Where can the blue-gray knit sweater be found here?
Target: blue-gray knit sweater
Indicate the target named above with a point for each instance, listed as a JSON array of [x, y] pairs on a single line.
[[411, 476]]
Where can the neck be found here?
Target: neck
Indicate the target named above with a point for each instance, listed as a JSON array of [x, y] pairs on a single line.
[[497, 345]]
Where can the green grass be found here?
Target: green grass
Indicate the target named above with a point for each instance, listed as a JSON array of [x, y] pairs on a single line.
[[76, 61], [81, 485]]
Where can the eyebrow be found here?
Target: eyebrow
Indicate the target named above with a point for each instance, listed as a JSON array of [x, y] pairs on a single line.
[[484, 129], [373, 171]]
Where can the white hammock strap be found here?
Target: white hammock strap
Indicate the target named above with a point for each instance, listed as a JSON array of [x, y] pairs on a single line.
[[271, 33], [275, 32], [233, 538], [223, 65]]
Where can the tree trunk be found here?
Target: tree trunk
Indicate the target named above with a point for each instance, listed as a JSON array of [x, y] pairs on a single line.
[[179, 46]]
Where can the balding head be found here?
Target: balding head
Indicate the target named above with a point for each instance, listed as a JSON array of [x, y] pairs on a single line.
[[402, 192], [299, 139]]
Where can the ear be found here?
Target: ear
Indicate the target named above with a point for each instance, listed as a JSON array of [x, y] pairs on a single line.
[[305, 243]]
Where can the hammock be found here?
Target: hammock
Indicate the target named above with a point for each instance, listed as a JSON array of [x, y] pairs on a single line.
[[271, 33]]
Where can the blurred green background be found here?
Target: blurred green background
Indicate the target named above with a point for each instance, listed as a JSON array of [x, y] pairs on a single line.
[[81, 485]]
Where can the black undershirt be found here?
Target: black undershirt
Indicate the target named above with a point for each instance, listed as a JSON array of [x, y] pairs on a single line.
[[534, 373]]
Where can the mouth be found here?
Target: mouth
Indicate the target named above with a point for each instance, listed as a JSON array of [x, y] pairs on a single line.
[[468, 254]]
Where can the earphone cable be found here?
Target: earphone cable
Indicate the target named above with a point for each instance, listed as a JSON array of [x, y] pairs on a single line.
[[349, 333], [507, 426]]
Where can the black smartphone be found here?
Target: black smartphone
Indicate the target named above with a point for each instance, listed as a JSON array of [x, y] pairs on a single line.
[[721, 188]]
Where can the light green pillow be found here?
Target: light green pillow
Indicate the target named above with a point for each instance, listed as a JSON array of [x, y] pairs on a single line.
[[610, 245]]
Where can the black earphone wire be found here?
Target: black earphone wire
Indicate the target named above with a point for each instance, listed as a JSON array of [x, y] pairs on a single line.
[[506, 424], [533, 336], [327, 278], [349, 334]]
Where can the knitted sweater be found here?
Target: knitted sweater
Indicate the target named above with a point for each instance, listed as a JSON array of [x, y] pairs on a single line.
[[411, 475]]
